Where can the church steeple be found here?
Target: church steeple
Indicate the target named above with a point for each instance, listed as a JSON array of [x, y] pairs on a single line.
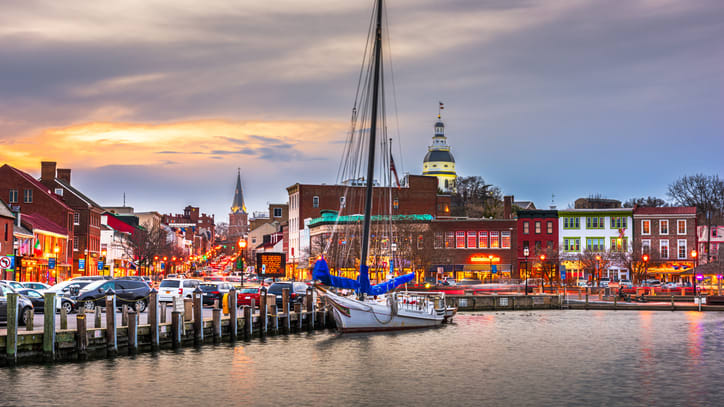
[[238, 205]]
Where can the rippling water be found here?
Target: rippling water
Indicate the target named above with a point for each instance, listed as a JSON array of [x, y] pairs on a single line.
[[569, 358]]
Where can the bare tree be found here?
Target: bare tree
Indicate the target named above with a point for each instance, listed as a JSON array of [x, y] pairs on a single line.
[[649, 201], [476, 199], [595, 261], [635, 261], [548, 263], [706, 192]]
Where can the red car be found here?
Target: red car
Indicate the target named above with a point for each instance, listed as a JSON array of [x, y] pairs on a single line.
[[245, 295]]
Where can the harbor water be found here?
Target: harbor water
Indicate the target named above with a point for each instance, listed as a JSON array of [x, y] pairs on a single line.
[[561, 358]]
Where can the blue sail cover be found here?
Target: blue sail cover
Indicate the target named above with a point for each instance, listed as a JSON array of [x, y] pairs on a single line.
[[321, 273]]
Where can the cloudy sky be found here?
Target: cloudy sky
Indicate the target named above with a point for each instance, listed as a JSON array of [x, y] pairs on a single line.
[[164, 100]]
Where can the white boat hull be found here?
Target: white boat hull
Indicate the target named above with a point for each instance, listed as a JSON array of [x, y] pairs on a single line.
[[353, 315]]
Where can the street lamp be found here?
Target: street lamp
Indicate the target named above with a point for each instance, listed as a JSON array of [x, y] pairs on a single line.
[[645, 258], [103, 254], [526, 252], [56, 249], [598, 268], [490, 258], [242, 247], [86, 265], [542, 269], [695, 255]]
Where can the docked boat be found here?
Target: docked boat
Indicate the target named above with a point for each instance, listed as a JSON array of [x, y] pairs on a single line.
[[374, 308]]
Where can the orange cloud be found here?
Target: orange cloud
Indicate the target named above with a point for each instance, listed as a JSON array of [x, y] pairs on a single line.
[[192, 143]]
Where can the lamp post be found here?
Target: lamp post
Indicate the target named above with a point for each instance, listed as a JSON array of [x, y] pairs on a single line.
[[598, 268], [490, 258], [645, 258], [695, 255], [104, 255], [526, 253], [542, 269], [242, 247], [56, 249], [86, 265]]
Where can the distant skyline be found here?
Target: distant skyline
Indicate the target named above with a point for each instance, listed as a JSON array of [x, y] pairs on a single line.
[[164, 100]]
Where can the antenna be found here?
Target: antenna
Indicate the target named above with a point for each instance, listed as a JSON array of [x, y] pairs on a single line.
[[124, 199]]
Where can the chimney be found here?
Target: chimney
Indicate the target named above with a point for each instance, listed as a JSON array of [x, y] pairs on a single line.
[[47, 170], [64, 174], [508, 207]]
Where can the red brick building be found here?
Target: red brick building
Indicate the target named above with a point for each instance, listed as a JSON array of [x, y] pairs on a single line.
[[197, 227], [31, 197], [86, 219], [537, 231], [668, 235], [7, 220], [418, 195]]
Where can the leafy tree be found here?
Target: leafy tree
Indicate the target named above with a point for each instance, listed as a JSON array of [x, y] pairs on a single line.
[[649, 201], [705, 192], [475, 199]]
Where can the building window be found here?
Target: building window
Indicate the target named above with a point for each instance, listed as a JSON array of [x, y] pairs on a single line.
[[538, 246], [682, 248], [28, 196], [619, 222], [646, 227], [472, 240], [620, 244], [449, 240], [664, 249], [460, 240], [76, 218], [13, 196], [646, 246], [315, 202], [494, 240], [549, 227], [420, 242], [681, 227], [526, 227], [395, 204], [277, 212], [537, 227], [438, 240], [549, 245], [526, 245], [595, 244], [571, 223], [505, 240], [571, 244], [58, 191], [483, 240], [342, 202], [663, 227], [594, 222], [75, 242]]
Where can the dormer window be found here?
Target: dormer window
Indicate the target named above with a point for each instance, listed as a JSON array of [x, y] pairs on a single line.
[[59, 191]]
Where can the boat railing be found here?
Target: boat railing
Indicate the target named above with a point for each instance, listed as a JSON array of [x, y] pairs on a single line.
[[420, 300]]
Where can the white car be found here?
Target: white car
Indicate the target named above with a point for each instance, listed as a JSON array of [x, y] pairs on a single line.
[[176, 287]]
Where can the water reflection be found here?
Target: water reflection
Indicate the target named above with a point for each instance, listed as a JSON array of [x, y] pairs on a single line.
[[568, 358]]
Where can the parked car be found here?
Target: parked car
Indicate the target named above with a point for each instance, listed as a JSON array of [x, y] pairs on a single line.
[[24, 305], [213, 291], [581, 283], [297, 292], [14, 284], [670, 285], [69, 289], [128, 292], [35, 285], [651, 283], [38, 300], [603, 282], [176, 287], [626, 284], [92, 278], [245, 295], [145, 279]]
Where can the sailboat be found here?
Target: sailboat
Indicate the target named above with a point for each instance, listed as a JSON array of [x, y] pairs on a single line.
[[376, 307]]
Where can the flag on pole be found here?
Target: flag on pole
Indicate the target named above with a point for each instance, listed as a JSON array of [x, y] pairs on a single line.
[[394, 171], [442, 106]]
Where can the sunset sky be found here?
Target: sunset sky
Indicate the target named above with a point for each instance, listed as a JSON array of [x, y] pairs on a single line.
[[164, 100]]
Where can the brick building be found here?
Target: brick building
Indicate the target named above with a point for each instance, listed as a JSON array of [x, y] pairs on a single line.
[[668, 235], [417, 195], [31, 197], [197, 227], [537, 231], [7, 219], [86, 219]]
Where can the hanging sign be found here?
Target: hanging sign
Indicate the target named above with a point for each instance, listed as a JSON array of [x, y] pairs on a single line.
[[51, 263], [81, 264]]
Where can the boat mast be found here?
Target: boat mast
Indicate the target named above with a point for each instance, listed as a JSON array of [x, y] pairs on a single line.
[[373, 134]]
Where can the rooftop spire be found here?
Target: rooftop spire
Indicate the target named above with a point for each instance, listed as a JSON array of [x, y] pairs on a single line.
[[238, 205]]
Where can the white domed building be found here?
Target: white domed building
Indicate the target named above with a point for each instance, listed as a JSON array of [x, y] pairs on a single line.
[[439, 161]]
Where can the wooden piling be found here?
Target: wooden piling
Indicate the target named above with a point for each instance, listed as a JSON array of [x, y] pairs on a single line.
[[216, 319], [586, 297], [111, 334], [63, 318], [673, 307], [97, 323], [298, 311], [153, 319], [188, 309], [176, 327], [132, 332], [615, 302], [274, 318], [124, 315], [49, 329], [233, 323], [30, 323], [11, 341], [81, 336], [285, 309], [248, 323], [262, 312], [162, 312], [198, 316], [310, 309]]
